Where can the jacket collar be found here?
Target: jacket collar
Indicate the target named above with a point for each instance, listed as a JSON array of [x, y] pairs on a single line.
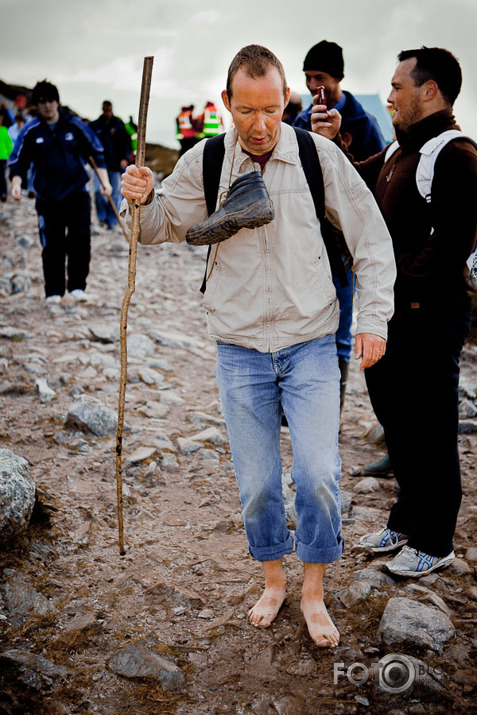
[[285, 150], [419, 133]]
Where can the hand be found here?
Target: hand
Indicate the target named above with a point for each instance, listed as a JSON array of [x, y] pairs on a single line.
[[370, 348], [106, 189], [137, 183], [123, 164], [328, 128], [16, 190]]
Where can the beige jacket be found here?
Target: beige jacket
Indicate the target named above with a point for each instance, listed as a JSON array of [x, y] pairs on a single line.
[[271, 287]]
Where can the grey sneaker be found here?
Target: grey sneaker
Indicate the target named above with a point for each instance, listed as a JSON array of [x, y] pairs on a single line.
[[413, 563], [385, 540], [246, 205]]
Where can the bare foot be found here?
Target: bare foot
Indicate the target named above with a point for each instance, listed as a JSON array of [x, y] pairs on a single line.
[[321, 628], [264, 612]]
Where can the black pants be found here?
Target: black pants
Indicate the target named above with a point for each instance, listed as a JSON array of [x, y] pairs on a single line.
[[414, 393], [3, 180], [66, 238]]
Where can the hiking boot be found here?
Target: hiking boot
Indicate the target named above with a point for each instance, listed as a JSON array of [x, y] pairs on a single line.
[[382, 541], [246, 205], [414, 564], [381, 468]]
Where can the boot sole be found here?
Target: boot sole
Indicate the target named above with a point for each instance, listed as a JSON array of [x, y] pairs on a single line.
[[227, 228]]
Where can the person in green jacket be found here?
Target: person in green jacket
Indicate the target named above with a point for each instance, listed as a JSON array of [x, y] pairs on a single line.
[[6, 147]]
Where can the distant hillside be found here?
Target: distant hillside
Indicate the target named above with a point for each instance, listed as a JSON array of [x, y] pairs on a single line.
[[161, 159]]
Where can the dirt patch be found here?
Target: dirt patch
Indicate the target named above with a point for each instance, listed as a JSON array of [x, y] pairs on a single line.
[[186, 582]]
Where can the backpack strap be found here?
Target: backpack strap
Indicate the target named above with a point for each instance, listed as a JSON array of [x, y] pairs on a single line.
[[314, 176], [213, 158], [390, 150], [429, 153]]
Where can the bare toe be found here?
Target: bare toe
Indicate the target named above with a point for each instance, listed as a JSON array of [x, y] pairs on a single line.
[[264, 612]]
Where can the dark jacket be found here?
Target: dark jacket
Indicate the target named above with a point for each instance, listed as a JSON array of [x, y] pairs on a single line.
[[430, 264], [359, 130], [115, 140], [58, 155]]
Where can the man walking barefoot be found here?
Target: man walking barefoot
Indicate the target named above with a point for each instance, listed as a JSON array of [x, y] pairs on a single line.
[[272, 309]]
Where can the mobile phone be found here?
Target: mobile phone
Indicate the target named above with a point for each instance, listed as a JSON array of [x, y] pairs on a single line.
[[322, 100]]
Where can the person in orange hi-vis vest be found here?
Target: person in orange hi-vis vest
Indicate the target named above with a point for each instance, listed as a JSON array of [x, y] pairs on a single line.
[[186, 129]]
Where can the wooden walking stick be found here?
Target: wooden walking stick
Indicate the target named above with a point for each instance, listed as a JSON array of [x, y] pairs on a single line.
[[140, 158], [93, 164]]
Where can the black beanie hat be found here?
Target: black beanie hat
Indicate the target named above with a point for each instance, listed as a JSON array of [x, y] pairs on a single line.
[[327, 57]]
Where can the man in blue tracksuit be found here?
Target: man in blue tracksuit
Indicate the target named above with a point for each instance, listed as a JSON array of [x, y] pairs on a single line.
[[324, 67], [59, 144]]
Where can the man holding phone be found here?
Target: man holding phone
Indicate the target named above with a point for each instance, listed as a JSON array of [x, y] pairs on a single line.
[[324, 69]]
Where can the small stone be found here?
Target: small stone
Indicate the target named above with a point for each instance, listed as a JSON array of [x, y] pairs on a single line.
[[459, 567], [21, 599], [140, 345], [150, 377], [169, 397], [357, 592], [17, 494], [188, 446], [35, 670], [367, 486], [375, 576], [211, 435], [172, 340], [346, 499], [206, 613], [135, 661], [472, 593], [141, 455], [375, 435], [168, 462], [91, 415], [104, 332], [471, 555], [467, 427], [43, 390]]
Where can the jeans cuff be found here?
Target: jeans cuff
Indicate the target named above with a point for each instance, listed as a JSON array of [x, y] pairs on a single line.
[[271, 553], [312, 555]]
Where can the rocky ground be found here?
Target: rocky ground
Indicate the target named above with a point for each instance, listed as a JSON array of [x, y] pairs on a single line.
[[163, 629]]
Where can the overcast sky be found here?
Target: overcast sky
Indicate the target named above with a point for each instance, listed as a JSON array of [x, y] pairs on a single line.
[[94, 49]]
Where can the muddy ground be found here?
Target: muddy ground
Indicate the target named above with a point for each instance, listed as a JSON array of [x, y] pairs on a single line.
[[183, 588]]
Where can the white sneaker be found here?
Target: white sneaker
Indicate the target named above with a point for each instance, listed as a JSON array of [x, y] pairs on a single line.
[[53, 298], [79, 295], [413, 563], [379, 542]]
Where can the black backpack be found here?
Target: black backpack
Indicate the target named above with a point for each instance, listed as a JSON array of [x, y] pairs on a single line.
[[338, 253]]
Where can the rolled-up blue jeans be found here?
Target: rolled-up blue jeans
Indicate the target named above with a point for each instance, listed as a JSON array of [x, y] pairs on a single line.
[[254, 386]]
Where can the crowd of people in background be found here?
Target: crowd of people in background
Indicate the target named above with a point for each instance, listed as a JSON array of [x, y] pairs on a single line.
[[52, 154], [190, 129]]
